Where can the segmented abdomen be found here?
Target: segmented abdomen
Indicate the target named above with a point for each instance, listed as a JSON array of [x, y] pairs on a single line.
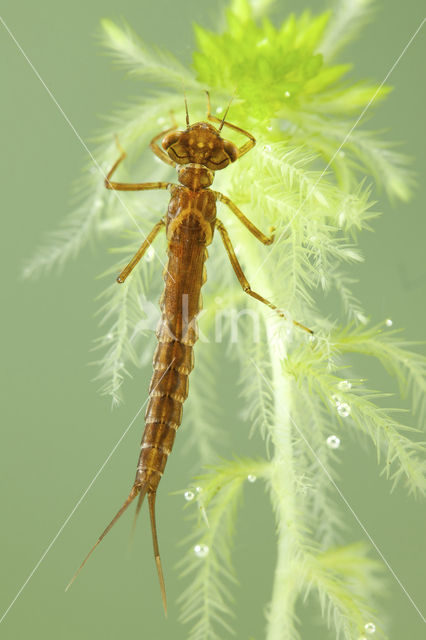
[[173, 359]]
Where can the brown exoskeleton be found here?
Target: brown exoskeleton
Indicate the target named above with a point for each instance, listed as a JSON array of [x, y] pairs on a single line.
[[190, 223]]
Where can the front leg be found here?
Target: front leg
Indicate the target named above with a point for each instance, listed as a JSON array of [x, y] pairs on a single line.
[[130, 186], [242, 218]]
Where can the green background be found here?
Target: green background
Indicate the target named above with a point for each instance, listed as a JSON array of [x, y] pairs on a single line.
[[57, 430]]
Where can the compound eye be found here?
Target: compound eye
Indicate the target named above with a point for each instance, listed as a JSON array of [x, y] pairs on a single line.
[[170, 139], [231, 150]]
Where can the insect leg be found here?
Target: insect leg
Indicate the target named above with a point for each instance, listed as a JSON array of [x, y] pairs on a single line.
[[243, 280], [155, 147], [248, 145], [242, 218], [138, 255], [129, 186]]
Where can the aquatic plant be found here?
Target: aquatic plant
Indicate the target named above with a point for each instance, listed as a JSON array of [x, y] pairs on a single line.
[[310, 177]]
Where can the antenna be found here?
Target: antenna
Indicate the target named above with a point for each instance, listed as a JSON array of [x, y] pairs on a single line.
[[186, 107], [226, 110]]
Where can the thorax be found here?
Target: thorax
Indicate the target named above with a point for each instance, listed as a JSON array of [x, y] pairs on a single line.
[[192, 207]]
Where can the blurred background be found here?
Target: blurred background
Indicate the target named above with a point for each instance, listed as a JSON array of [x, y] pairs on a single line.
[[57, 430]]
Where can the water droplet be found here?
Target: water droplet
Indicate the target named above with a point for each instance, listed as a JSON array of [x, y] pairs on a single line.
[[388, 322], [189, 495], [343, 409], [150, 254], [344, 385], [199, 489], [109, 335], [342, 154], [313, 239], [201, 550], [287, 94], [312, 338], [370, 627], [333, 442], [219, 110], [269, 128], [251, 478], [267, 147], [336, 399]]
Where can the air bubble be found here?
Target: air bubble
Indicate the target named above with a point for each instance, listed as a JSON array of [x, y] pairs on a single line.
[[333, 442], [201, 550], [343, 409], [251, 478], [388, 322], [344, 385], [370, 627], [189, 495]]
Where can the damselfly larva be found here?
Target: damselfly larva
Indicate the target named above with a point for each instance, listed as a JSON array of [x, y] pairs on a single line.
[[190, 222]]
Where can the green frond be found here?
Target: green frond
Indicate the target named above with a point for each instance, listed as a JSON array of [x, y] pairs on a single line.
[[256, 8], [346, 581], [256, 390], [404, 458], [202, 433], [76, 231], [207, 602], [407, 366], [351, 305], [348, 17], [316, 490], [362, 151], [155, 64]]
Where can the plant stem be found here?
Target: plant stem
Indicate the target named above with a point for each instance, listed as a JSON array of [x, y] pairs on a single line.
[[283, 487]]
